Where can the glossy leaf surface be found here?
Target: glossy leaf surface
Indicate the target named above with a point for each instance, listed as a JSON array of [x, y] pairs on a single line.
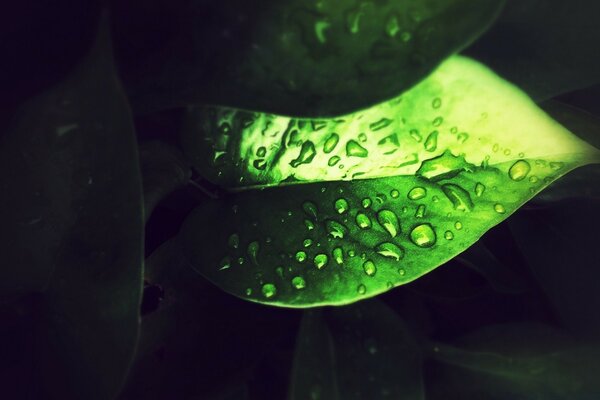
[[466, 150]]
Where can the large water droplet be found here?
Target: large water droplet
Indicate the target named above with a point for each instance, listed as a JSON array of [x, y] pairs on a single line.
[[423, 235], [445, 166], [331, 142], [382, 123], [354, 149], [479, 189], [389, 220], [363, 221], [307, 153], [431, 142], [300, 256], [519, 170], [390, 250], [298, 282], [310, 209], [269, 290], [253, 248], [499, 208], [338, 255], [335, 229], [459, 197], [234, 241], [320, 260], [341, 205], [369, 268], [417, 193]]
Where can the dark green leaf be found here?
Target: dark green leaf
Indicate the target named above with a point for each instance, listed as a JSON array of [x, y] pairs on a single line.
[[71, 234]]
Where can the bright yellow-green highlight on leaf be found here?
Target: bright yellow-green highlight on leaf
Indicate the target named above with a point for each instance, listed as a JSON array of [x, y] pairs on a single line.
[[383, 195]]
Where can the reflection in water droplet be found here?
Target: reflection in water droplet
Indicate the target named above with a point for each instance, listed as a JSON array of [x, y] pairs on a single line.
[[298, 282], [300, 256], [225, 263], [253, 248], [420, 212], [366, 202], [416, 135], [519, 170], [234, 241], [417, 193], [459, 197], [338, 255], [363, 221], [389, 220], [307, 153], [307, 242], [369, 268], [269, 290], [261, 152], [390, 250], [310, 209], [499, 208], [331, 142], [382, 123], [423, 235], [479, 189], [320, 260], [431, 141], [394, 194], [448, 235], [354, 149], [436, 103], [341, 205], [335, 229], [361, 289], [458, 225]]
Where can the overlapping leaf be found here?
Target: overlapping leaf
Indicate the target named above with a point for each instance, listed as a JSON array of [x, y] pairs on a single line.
[[373, 199]]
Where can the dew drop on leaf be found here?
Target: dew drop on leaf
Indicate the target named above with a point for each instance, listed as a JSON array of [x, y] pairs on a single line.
[[298, 282], [458, 225], [310, 209], [369, 268], [382, 123], [225, 263], [253, 248], [394, 194], [333, 161], [335, 229], [361, 289], [416, 135], [423, 235], [309, 224], [234, 241], [261, 152], [499, 208], [448, 235], [366, 202], [341, 205], [321, 260], [479, 189], [431, 141], [390, 250], [300, 256], [354, 149], [307, 242], [331, 142], [437, 121], [420, 212], [389, 220], [362, 137], [307, 153], [269, 290], [417, 193], [363, 221], [459, 197], [519, 170], [338, 255], [436, 103]]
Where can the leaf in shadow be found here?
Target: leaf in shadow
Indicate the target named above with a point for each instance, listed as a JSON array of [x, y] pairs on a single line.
[[291, 57], [363, 351], [72, 235]]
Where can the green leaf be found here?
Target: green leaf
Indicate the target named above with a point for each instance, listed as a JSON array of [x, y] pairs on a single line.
[[71, 235], [296, 58], [359, 352], [438, 167]]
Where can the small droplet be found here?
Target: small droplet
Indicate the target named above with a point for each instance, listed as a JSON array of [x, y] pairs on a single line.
[[462, 137], [335, 229], [507, 152], [269, 290], [334, 160], [354, 149], [533, 179], [341, 205], [259, 164], [401, 272], [248, 291], [366, 202], [234, 241], [519, 170], [417, 193], [423, 235], [307, 153], [253, 248], [389, 220], [420, 212], [298, 282], [331, 142], [240, 260], [405, 37], [338, 255], [392, 27], [499, 208], [431, 141], [555, 165], [382, 123], [362, 137], [225, 263], [351, 253], [320, 260], [261, 152], [459, 197], [380, 198], [453, 130], [307, 243], [369, 268], [437, 121], [390, 250], [479, 189], [361, 289], [309, 224], [300, 256], [394, 194], [458, 225], [448, 235], [310, 209], [279, 271], [495, 147], [436, 103], [416, 135], [363, 221]]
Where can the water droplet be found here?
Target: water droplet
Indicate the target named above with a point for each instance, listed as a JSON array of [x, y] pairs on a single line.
[[431, 141], [310, 209], [380, 198], [519, 170], [341, 205], [224, 128], [331, 142], [533, 179], [353, 149], [307, 243], [361, 289], [499, 208], [392, 27], [453, 130], [382, 123], [261, 152], [225, 263], [401, 271], [495, 147], [389, 221], [394, 194], [259, 164], [423, 235], [416, 135], [444, 166], [459, 197], [335, 229], [448, 235], [437, 121], [436, 103], [309, 224], [279, 271], [366, 202], [307, 153], [253, 248], [462, 137], [369, 268], [234, 241], [298, 282], [363, 221], [390, 250], [248, 291], [338, 255], [405, 37], [321, 260], [362, 137], [555, 165], [240, 260], [300, 256], [269, 290], [417, 193], [479, 189], [458, 225], [420, 212], [320, 28], [351, 253], [334, 160], [507, 152]]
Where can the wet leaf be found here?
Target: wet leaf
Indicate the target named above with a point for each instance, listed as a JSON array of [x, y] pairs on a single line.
[[71, 236], [359, 352], [397, 209], [292, 57]]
